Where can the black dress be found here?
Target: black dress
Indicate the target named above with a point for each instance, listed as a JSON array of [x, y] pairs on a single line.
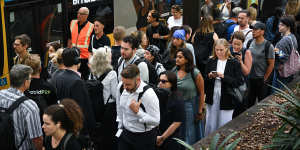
[[203, 47], [172, 110], [72, 143]]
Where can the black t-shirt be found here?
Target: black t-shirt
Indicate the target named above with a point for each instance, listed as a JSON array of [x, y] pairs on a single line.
[[72, 144], [162, 30], [172, 111], [116, 54], [96, 43], [42, 92]]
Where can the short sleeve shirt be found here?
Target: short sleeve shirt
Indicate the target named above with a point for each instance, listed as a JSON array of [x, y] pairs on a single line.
[[26, 118], [259, 60], [186, 86]]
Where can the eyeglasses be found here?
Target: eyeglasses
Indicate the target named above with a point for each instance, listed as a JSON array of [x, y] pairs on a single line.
[[163, 81], [80, 13]]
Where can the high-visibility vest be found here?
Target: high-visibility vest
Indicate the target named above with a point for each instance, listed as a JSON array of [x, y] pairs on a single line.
[[81, 40]]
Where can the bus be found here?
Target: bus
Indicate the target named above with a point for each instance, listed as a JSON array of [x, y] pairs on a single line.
[[4, 72]]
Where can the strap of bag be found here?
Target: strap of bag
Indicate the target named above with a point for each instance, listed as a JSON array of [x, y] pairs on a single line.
[[17, 103], [92, 42], [12, 108], [68, 136], [139, 98]]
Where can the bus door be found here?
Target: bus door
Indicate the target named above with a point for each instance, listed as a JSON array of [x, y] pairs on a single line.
[[41, 20], [4, 73]]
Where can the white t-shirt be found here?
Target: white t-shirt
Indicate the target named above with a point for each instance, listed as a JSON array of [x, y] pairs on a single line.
[[174, 22], [245, 31]]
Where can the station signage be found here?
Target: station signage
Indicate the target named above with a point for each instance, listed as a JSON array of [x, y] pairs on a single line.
[[79, 2]]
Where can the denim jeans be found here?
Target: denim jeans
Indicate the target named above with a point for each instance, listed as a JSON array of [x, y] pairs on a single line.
[[193, 130]]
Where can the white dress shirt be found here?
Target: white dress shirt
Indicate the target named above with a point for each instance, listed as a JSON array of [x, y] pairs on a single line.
[[142, 67], [135, 122]]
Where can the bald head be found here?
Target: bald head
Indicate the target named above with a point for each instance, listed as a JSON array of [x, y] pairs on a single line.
[[83, 14]]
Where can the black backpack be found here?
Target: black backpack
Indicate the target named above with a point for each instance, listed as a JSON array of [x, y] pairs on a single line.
[[153, 77], [95, 89], [7, 132], [160, 93]]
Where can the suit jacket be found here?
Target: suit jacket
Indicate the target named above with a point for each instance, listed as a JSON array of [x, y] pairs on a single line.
[[232, 79], [69, 85]]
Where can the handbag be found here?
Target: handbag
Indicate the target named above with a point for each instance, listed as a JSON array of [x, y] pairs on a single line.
[[238, 93], [292, 65]]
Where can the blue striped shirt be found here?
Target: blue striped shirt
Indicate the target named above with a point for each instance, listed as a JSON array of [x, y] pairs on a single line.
[[26, 118]]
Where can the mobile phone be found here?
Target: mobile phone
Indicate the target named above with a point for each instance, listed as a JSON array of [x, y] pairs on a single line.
[[214, 72]]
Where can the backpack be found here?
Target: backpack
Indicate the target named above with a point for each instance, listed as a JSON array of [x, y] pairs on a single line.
[[266, 49], [160, 93], [95, 90], [153, 77], [7, 133], [229, 26], [292, 65]]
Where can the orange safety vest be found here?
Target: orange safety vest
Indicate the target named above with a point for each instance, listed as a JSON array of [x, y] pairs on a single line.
[[81, 40]]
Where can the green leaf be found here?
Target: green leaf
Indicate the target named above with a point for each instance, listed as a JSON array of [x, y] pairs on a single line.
[[189, 147], [227, 138], [214, 142], [233, 145], [297, 144], [287, 119]]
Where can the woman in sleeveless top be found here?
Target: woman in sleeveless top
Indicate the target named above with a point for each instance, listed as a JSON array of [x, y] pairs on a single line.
[[203, 41]]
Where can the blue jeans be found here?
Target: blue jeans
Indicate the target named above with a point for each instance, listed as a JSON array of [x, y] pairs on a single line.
[[193, 130]]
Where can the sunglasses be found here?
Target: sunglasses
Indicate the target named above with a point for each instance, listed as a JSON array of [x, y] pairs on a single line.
[[163, 81]]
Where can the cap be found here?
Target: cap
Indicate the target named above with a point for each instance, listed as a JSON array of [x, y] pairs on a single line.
[[179, 34], [154, 50], [259, 25]]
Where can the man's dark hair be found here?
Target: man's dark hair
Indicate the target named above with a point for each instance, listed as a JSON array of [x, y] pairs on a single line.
[[246, 12], [155, 14], [100, 19], [19, 74], [133, 41], [130, 72], [70, 57], [24, 39]]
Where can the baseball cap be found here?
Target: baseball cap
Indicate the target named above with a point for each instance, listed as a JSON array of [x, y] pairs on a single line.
[[259, 25]]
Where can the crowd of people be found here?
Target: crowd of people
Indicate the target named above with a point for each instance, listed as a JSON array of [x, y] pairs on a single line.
[[168, 82]]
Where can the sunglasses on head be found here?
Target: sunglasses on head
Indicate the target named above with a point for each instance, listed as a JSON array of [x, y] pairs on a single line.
[[163, 81]]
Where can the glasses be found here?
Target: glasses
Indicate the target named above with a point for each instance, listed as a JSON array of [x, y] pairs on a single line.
[[163, 81], [80, 13]]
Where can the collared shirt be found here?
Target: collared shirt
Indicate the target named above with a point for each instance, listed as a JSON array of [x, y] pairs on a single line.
[[21, 60], [135, 122], [26, 118], [142, 67]]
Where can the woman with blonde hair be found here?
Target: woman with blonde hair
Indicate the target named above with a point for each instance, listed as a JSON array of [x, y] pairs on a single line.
[[292, 7], [203, 41], [101, 69], [222, 74]]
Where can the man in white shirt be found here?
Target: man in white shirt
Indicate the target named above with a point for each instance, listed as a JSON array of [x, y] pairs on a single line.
[[138, 112], [176, 18], [129, 46], [243, 25]]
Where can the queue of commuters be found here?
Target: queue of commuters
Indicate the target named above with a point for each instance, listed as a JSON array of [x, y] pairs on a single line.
[[147, 88]]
